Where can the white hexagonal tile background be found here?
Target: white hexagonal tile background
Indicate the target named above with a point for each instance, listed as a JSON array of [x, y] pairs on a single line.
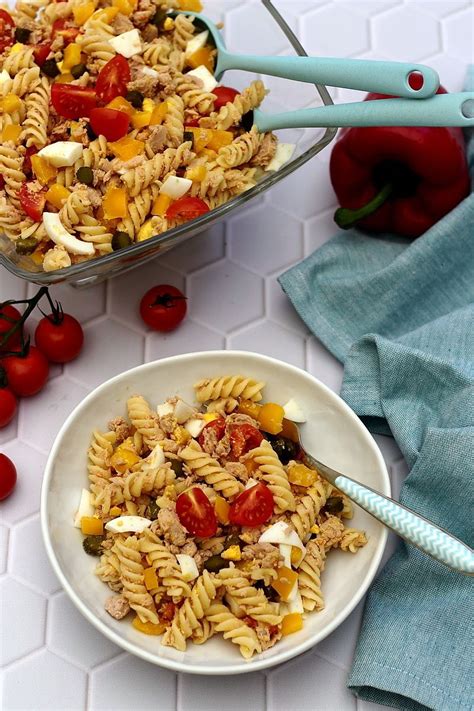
[[53, 659]]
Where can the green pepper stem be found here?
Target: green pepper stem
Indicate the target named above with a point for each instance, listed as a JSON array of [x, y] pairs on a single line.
[[346, 218]]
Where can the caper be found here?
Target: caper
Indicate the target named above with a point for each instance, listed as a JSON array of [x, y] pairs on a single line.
[[215, 563], [233, 540], [22, 35], [120, 240], [284, 448], [27, 245], [85, 175], [177, 466], [152, 510], [247, 120], [334, 505], [78, 70], [189, 136], [50, 68], [158, 17], [90, 132], [135, 98], [93, 545]]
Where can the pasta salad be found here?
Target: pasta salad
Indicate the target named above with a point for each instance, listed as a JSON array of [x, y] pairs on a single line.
[[206, 522], [114, 128]]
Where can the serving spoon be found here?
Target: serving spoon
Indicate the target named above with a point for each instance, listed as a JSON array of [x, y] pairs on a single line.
[[413, 528]]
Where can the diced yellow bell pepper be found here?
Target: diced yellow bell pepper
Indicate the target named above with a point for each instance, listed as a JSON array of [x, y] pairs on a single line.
[[108, 14], [44, 171], [115, 511], [11, 133], [209, 153], [181, 435], [11, 103], [191, 5], [201, 57], [92, 526], [159, 113], [221, 508], [301, 475], [124, 456], [247, 407], [232, 553], [291, 623], [285, 582], [64, 78], [220, 139], [115, 203], [161, 204], [270, 417], [150, 579], [148, 105], [83, 12], [168, 24], [140, 119], [17, 47], [210, 416], [148, 627], [126, 148], [197, 174], [202, 136], [124, 6], [145, 231], [314, 529], [57, 195], [121, 104], [72, 56]]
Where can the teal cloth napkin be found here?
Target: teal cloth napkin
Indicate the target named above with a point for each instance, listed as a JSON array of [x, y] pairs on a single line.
[[400, 316]]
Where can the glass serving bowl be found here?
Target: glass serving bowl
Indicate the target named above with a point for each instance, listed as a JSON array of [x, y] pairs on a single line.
[[277, 38]]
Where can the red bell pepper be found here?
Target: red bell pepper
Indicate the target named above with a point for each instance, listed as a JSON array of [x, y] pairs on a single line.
[[398, 179]]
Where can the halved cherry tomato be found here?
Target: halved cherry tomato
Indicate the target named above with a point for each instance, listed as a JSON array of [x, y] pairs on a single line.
[[41, 52], [31, 151], [223, 95], [218, 426], [196, 513], [8, 406], [252, 507], [243, 438], [32, 201], [7, 26], [60, 29], [187, 208], [110, 123], [113, 79], [7, 476], [72, 101], [8, 316]]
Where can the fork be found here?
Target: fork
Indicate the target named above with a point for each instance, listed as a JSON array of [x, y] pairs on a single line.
[[412, 527]]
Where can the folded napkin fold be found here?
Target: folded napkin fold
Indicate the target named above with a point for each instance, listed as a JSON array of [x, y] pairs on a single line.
[[400, 316]]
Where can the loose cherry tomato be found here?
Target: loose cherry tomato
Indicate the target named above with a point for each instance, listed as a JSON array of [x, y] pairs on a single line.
[[32, 200], [59, 337], [196, 513], [252, 507], [7, 26], [217, 425], [163, 307], [224, 95], [8, 316], [243, 438], [60, 29], [7, 406], [7, 476], [27, 169], [187, 208], [41, 53], [72, 101], [113, 79], [110, 123], [27, 374]]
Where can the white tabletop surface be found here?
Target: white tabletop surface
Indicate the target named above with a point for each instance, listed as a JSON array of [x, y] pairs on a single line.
[[51, 657]]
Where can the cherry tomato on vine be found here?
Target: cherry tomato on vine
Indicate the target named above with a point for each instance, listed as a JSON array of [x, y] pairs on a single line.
[[243, 438], [196, 513], [217, 425], [224, 95], [7, 476], [26, 375], [59, 337], [8, 315], [163, 307], [8, 405], [252, 507], [113, 79]]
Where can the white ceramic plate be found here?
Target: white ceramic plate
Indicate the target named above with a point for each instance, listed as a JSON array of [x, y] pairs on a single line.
[[338, 438]]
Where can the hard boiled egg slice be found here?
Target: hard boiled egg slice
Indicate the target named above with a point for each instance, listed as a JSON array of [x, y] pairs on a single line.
[[156, 458], [175, 187], [188, 567], [283, 153], [166, 408], [183, 411], [128, 43], [128, 524], [293, 411], [203, 73], [280, 532], [85, 508], [195, 426], [59, 235]]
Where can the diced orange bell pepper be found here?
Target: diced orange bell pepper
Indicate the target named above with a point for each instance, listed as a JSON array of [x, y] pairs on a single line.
[[57, 195], [202, 56], [220, 139], [161, 204], [150, 578], [285, 582], [221, 508], [190, 5], [159, 114], [291, 623], [209, 153], [148, 627], [296, 556], [91, 526], [271, 417], [202, 136], [197, 174], [83, 12], [115, 203], [247, 407], [121, 104], [44, 171], [289, 430], [251, 466], [11, 133], [126, 148], [301, 475]]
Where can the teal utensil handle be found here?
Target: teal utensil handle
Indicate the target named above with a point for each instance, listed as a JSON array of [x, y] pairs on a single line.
[[439, 110], [382, 77], [415, 529]]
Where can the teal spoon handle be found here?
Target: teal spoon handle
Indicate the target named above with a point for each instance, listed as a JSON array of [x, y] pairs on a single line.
[[382, 77], [439, 110]]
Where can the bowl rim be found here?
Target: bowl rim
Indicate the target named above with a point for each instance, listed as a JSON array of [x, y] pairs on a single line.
[[243, 666]]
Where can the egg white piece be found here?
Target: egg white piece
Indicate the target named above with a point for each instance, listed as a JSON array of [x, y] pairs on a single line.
[[183, 411], [59, 234], [62, 154], [293, 411], [283, 153], [196, 43], [127, 44], [175, 187], [208, 80], [250, 482], [188, 567], [85, 508], [281, 533], [166, 408], [4, 77], [155, 459], [195, 426], [128, 524]]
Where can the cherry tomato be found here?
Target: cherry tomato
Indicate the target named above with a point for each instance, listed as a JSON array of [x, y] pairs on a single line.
[[6, 30], [2, 182], [113, 79], [27, 374], [72, 101], [224, 95], [243, 438], [7, 406], [41, 53], [7, 476], [61, 30], [8, 315], [196, 513], [217, 425], [163, 307], [187, 208], [252, 507], [32, 201], [61, 339], [194, 123], [110, 123], [27, 169]]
